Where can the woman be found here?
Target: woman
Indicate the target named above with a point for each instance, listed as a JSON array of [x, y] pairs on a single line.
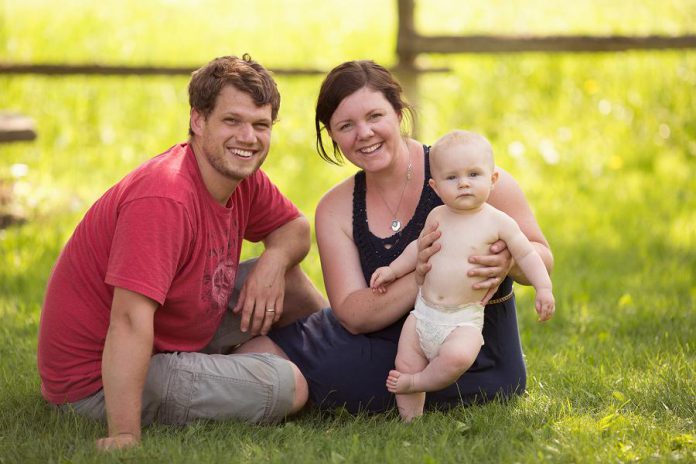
[[365, 222]]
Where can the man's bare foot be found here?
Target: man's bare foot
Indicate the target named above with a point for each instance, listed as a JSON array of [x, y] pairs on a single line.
[[398, 382]]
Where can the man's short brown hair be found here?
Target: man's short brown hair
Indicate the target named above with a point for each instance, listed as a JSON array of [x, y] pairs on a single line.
[[245, 74]]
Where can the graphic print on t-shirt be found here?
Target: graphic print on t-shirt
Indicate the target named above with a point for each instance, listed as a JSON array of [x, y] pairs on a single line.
[[222, 283], [221, 270]]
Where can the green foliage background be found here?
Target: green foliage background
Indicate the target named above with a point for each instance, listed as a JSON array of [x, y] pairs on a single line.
[[604, 145]]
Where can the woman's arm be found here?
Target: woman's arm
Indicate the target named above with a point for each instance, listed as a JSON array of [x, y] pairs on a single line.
[[356, 306], [508, 197]]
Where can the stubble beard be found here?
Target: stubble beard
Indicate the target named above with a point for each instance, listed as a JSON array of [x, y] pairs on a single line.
[[226, 168]]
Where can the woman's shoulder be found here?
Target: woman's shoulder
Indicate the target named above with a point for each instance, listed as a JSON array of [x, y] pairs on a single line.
[[339, 197], [505, 177], [507, 190]]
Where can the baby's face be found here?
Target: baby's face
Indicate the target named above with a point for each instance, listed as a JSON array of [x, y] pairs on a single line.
[[462, 176]]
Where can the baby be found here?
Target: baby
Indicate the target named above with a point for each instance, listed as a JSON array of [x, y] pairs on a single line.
[[441, 338]]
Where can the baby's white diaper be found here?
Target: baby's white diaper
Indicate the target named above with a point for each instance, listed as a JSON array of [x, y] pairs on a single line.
[[434, 322]]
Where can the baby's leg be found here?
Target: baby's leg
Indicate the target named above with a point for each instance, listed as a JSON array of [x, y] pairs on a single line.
[[457, 353], [409, 360]]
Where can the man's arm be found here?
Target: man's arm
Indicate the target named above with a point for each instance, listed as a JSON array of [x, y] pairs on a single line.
[[125, 361], [264, 289]]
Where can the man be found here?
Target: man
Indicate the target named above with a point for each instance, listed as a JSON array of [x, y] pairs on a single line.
[[137, 298]]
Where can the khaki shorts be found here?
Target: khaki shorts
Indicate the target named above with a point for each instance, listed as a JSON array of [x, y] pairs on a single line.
[[184, 387]]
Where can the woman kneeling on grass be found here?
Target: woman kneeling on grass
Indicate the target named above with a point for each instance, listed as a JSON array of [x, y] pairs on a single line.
[[365, 222]]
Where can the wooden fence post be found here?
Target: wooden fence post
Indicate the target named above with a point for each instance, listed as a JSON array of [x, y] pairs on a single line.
[[406, 67]]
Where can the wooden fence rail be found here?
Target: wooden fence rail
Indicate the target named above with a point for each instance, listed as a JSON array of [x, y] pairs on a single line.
[[117, 70], [410, 43]]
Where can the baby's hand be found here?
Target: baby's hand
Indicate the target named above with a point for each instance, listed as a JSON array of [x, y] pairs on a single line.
[[380, 278], [545, 305]]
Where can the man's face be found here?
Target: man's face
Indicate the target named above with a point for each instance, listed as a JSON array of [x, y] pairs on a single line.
[[235, 137]]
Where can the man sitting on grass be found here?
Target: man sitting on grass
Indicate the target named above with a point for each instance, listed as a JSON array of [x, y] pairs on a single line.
[[132, 324]]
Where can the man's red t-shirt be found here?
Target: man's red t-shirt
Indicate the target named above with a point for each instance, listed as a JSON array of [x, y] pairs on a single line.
[[160, 233]]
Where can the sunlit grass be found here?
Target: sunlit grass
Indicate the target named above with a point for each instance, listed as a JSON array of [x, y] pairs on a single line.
[[604, 146]]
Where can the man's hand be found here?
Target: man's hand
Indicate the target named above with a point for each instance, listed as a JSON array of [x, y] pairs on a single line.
[[427, 247], [117, 442], [261, 298]]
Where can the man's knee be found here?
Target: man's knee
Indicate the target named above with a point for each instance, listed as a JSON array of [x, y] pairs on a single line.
[[263, 344]]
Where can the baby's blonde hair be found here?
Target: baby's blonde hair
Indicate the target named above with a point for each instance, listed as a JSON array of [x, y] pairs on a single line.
[[462, 138]]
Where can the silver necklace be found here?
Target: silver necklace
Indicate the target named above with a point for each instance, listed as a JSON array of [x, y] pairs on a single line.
[[395, 223]]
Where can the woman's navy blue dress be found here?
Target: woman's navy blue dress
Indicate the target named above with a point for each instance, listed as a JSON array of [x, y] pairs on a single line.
[[349, 370]]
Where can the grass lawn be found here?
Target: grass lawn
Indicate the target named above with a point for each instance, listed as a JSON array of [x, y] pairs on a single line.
[[604, 145]]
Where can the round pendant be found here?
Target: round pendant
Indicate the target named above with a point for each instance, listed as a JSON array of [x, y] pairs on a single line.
[[396, 225]]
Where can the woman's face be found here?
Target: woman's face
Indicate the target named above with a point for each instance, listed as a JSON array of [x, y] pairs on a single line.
[[366, 129]]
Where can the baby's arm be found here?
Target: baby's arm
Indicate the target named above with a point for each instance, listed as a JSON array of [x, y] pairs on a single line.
[[405, 263], [531, 264]]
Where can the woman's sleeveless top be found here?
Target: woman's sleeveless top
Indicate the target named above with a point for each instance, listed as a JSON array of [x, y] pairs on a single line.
[[375, 251]]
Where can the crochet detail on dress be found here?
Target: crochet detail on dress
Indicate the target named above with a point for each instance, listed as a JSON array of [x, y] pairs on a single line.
[[375, 251]]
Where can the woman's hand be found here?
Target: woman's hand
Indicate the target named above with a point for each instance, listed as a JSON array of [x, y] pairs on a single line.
[[427, 247], [492, 268]]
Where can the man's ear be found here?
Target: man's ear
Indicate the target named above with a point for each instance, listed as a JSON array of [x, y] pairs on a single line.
[[196, 121]]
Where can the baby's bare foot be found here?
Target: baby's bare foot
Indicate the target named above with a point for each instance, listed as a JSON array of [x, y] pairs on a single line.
[[398, 382]]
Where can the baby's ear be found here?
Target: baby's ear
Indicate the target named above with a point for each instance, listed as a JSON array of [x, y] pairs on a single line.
[[433, 186], [494, 179]]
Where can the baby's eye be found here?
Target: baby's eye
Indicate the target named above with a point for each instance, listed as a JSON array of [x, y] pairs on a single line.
[[451, 177], [473, 174]]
